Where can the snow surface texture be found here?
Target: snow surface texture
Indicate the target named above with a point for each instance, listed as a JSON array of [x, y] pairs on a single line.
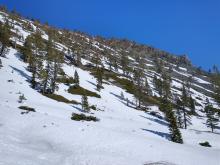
[[122, 136]]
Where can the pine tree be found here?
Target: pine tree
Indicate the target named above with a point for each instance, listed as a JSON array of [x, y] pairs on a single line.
[[115, 64], [58, 58], [216, 83], [186, 115], [166, 88], [147, 87], [46, 72], [110, 60], [77, 51], [125, 64], [21, 98], [212, 120], [0, 63], [175, 134], [159, 65], [158, 84], [35, 58], [27, 49], [85, 104], [96, 59], [76, 78], [122, 95], [139, 85], [4, 37], [99, 78], [127, 101], [192, 105], [179, 113]]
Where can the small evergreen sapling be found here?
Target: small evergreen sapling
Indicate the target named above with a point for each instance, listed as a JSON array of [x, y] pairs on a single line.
[[212, 120], [85, 104], [21, 98], [76, 78], [0, 63], [122, 96]]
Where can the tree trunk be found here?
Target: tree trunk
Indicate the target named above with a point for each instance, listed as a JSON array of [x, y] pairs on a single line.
[[46, 79], [2, 50], [53, 84], [184, 116]]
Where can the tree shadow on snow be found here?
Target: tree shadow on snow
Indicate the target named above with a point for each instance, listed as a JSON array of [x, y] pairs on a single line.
[[22, 73], [124, 101], [93, 84], [18, 56], [200, 132], [159, 163], [156, 120], [79, 109], [161, 134]]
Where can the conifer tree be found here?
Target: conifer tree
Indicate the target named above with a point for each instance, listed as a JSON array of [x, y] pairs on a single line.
[[27, 49], [21, 98], [122, 95], [96, 59], [85, 104], [192, 105], [216, 83], [159, 65], [76, 49], [76, 78], [46, 73], [158, 85], [175, 134], [0, 63], [184, 99], [139, 85], [57, 60], [179, 113], [78, 59], [147, 87], [35, 62], [212, 120], [4, 37], [166, 88], [127, 101], [115, 64], [99, 79], [110, 60], [125, 64]]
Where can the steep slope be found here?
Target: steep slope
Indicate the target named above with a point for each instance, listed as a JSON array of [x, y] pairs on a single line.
[[123, 135]]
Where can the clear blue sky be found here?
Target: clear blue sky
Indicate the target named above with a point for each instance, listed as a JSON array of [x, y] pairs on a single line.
[[189, 27]]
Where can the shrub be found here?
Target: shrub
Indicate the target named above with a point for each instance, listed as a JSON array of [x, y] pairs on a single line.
[[79, 117], [205, 144], [21, 98], [27, 109], [60, 98], [93, 107], [66, 80], [77, 90], [125, 84]]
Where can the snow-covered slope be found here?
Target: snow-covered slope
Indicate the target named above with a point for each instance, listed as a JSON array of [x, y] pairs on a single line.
[[122, 136]]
